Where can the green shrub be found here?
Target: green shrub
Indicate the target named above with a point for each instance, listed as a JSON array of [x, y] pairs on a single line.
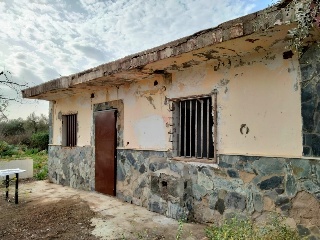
[[30, 151], [246, 230], [8, 150], [42, 174], [40, 140]]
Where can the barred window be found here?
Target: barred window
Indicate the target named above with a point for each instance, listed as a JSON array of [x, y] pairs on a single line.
[[195, 128], [69, 130]]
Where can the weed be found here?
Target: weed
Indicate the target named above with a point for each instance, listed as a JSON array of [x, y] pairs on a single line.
[[180, 229], [245, 229]]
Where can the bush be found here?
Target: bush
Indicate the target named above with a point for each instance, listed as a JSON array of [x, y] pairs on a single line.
[[42, 174], [8, 150], [40, 140]]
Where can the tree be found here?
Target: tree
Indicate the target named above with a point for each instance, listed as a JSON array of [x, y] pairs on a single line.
[[13, 87]]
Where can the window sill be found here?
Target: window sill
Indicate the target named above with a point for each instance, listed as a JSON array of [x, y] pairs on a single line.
[[195, 160]]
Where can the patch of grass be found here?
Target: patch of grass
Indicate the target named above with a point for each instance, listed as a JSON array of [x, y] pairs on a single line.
[[246, 230]]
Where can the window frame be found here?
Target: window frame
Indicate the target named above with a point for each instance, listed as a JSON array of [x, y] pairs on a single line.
[[69, 130], [175, 134]]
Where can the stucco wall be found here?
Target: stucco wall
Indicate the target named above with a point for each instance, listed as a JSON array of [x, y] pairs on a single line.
[[260, 90]]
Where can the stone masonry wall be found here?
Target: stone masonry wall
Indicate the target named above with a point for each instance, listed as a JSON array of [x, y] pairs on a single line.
[[250, 186], [310, 100], [72, 167]]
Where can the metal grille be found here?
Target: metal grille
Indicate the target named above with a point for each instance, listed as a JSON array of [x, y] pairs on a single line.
[[70, 122], [195, 128]]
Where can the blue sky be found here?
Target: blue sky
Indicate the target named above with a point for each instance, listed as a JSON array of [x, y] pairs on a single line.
[[44, 39]]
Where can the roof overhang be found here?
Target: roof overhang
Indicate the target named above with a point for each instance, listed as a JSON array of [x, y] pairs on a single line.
[[255, 32]]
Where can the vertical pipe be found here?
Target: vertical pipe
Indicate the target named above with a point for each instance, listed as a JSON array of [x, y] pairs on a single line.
[[215, 125], [185, 128], [180, 131], [208, 105], [201, 101], [16, 192], [190, 135], [196, 131], [7, 187]]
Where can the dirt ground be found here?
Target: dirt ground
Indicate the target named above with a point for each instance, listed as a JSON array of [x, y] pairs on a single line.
[[50, 211]]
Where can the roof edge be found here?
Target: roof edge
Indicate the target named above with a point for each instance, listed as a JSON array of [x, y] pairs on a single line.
[[239, 27]]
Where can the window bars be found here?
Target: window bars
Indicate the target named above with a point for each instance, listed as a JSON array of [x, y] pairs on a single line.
[[195, 128], [69, 130]]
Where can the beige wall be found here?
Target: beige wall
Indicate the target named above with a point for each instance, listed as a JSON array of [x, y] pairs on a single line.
[[260, 90]]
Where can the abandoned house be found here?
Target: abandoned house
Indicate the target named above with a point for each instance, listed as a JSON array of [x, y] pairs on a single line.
[[221, 122]]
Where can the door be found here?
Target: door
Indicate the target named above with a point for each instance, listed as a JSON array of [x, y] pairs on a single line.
[[105, 153]]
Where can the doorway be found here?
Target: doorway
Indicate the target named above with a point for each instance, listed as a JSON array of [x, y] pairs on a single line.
[[105, 151]]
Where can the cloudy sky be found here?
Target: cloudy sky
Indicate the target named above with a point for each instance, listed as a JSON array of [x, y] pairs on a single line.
[[41, 40]]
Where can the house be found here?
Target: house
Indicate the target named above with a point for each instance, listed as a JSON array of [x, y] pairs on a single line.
[[221, 122]]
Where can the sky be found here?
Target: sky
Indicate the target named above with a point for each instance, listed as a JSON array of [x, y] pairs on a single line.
[[41, 40]]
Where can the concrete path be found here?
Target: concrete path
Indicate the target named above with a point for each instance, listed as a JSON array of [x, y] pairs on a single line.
[[115, 219]]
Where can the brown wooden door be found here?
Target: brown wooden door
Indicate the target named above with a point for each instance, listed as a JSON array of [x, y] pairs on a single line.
[[105, 154]]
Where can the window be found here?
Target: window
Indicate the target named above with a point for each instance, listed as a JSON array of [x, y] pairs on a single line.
[[69, 130], [195, 128]]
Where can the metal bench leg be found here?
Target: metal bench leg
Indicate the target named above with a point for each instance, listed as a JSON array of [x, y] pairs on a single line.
[[7, 187], [16, 193]]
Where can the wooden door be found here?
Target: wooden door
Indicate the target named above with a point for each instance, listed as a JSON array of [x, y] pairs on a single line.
[[105, 152]]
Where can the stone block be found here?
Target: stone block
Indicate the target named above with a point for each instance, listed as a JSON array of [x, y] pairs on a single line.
[[235, 200], [220, 206], [301, 168], [310, 186], [155, 189], [246, 177], [233, 173], [271, 183], [307, 111], [258, 202], [176, 211], [315, 145], [269, 166], [307, 93], [303, 231], [305, 209], [213, 198], [290, 186], [307, 72], [268, 204], [205, 181], [198, 191]]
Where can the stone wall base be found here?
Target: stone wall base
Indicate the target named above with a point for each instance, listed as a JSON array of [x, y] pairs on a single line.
[[241, 185], [72, 167]]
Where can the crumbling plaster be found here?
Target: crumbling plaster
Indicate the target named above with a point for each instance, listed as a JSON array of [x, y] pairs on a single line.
[[267, 107]]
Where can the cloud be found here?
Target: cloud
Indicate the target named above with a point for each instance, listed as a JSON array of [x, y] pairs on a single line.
[[91, 52], [43, 39]]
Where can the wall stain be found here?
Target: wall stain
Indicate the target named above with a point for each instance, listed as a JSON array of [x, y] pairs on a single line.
[[151, 101]]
